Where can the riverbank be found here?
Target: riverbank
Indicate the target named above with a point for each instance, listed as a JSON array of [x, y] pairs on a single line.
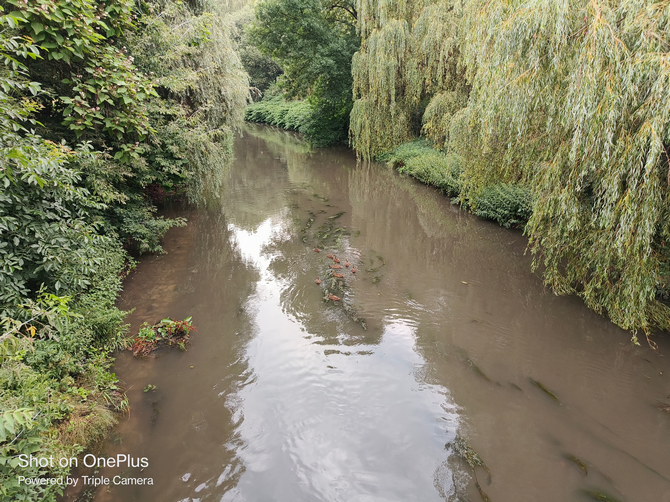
[[508, 205], [106, 108], [63, 396]]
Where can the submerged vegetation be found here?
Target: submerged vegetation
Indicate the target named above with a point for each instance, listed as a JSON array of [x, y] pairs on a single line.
[[105, 108]]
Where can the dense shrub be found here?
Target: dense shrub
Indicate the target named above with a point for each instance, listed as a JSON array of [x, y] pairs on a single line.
[[98, 101], [291, 115], [508, 205]]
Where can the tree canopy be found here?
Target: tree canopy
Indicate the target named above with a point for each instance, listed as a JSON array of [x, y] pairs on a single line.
[[313, 42]]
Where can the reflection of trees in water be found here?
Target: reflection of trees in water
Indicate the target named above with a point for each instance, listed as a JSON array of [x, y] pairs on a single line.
[[295, 264], [423, 230], [502, 316], [278, 138], [223, 282], [254, 190]]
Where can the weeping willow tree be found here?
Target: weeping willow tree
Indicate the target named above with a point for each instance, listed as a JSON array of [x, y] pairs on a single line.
[[574, 98], [569, 99], [409, 55], [187, 49]]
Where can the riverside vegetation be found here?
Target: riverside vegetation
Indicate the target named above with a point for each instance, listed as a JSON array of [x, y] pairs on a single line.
[[314, 51], [550, 117], [105, 108]]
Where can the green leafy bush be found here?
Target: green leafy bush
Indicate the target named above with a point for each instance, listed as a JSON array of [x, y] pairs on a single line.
[[47, 236], [508, 205], [418, 159], [146, 107], [319, 126]]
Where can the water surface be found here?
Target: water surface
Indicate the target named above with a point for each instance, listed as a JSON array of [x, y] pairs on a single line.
[[442, 332]]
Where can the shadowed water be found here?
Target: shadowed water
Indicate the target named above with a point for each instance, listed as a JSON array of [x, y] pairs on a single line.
[[443, 332]]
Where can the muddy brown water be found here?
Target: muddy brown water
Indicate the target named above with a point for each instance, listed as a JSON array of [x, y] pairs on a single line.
[[283, 396]]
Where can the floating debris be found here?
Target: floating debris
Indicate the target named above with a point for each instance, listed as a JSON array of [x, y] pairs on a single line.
[[600, 496], [464, 451], [578, 463], [376, 279], [663, 407], [516, 386], [335, 216], [540, 386], [149, 388], [166, 332]]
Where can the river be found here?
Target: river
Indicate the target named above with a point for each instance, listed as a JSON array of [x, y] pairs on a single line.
[[442, 338]]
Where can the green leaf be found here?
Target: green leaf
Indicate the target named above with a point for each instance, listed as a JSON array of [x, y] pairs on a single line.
[[9, 423]]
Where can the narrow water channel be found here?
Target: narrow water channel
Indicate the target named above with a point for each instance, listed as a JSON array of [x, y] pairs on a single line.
[[442, 333]]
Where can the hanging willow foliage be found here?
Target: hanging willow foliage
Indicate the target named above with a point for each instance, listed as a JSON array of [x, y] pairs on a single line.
[[570, 99], [189, 52], [193, 57], [408, 52], [575, 97], [380, 120]]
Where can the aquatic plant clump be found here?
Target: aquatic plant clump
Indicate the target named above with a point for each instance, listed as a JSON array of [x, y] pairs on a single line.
[[167, 332], [461, 448]]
